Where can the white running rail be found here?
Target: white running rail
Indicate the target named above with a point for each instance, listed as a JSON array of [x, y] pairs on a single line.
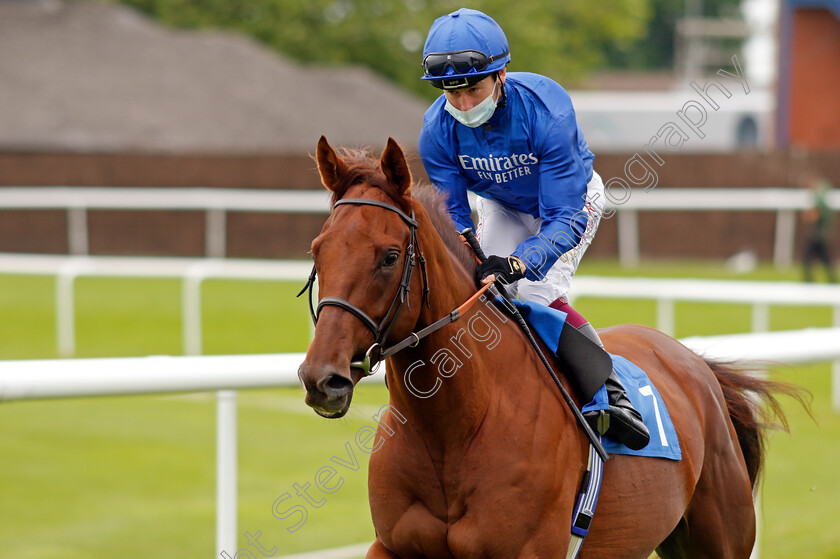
[[70, 378], [216, 202], [193, 271], [91, 377]]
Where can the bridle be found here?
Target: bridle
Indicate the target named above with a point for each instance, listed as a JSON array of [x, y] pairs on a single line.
[[374, 355]]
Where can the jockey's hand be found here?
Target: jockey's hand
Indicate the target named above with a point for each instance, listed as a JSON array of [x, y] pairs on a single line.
[[508, 269]]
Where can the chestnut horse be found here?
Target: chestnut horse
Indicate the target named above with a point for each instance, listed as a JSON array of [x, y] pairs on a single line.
[[482, 457]]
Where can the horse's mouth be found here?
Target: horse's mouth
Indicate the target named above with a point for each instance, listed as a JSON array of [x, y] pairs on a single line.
[[328, 391], [330, 408], [331, 415]]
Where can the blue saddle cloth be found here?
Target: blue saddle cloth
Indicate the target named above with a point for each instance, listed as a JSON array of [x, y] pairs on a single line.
[[644, 396]]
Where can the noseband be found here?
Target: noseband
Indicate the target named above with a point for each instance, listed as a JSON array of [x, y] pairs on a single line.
[[381, 330]]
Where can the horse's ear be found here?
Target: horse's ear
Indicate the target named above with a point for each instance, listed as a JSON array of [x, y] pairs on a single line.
[[395, 167], [329, 165]]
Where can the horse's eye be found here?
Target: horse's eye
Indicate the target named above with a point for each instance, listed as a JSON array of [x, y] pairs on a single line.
[[391, 258]]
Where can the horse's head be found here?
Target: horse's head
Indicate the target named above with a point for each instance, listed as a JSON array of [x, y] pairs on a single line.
[[364, 257]]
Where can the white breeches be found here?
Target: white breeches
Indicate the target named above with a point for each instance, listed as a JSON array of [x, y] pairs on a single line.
[[501, 229]]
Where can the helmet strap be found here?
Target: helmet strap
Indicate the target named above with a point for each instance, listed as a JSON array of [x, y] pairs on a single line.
[[502, 102]]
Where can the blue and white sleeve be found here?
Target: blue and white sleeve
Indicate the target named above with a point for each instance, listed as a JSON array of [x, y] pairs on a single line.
[[445, 175], [562, 198]]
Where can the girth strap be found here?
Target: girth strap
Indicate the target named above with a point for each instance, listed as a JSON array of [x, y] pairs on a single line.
[[588, 498]]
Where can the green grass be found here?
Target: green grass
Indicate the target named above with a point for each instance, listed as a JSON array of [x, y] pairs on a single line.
[[135, 476], [27, 317], [801, 483]]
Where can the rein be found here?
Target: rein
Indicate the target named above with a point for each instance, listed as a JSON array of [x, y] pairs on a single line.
[[594, 439]]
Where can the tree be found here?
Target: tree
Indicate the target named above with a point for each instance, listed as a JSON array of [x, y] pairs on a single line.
[[655, 48], [563, 40]]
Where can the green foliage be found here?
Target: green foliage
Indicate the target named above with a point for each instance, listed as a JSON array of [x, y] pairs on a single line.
[[563, 40], [655, 47]]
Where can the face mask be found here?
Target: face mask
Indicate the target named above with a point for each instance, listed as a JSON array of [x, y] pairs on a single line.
[[476, 116]]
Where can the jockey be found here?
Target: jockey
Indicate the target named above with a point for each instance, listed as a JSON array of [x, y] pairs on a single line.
[[513, 140]]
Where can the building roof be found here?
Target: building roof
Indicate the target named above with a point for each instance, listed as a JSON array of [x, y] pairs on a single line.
[[84, 76]]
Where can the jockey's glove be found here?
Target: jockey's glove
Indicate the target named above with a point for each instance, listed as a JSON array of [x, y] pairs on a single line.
[[507, 269]]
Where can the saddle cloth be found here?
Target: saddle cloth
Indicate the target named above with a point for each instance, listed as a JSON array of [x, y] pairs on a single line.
[[644, 396]]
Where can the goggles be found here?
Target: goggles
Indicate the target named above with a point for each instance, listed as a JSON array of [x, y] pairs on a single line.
[[461, 62]]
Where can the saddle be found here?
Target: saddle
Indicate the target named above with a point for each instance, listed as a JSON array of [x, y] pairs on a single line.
[[586, 368]]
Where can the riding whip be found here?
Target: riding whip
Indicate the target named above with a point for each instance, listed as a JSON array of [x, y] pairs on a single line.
[[469, 235]]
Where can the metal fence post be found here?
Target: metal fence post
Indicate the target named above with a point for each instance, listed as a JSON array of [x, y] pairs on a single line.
[[215, 233], [628, 237], [785, 231], [65, 309], [665, 320], [226, 473], [760, 317], [77, 231], [835, 369], [226, 440]]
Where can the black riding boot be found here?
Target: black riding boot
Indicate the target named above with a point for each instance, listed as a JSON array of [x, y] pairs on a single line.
[[621, 422]]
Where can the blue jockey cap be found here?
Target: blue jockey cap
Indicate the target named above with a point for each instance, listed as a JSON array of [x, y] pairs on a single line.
[[466, 30]]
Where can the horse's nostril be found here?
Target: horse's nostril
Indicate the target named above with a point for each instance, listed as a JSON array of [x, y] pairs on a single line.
[[338, 383]]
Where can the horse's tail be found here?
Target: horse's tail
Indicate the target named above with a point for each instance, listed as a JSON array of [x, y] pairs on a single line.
[[753, 408]]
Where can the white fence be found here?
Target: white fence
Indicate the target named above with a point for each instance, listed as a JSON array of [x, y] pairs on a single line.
[[89, 377], [784, 202], [29, 379], [216, 202], [39, 379], [36, 379], [758, 294], [93, 377], [193, 271], [71, 378]]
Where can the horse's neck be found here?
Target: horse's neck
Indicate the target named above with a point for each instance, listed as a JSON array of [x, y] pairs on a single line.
[[448, 381]]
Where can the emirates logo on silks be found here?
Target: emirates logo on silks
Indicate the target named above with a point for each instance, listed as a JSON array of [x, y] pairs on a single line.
[[499, 169]]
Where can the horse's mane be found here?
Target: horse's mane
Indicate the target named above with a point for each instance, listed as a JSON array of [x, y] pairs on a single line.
[[434, 201], [363, 167]]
